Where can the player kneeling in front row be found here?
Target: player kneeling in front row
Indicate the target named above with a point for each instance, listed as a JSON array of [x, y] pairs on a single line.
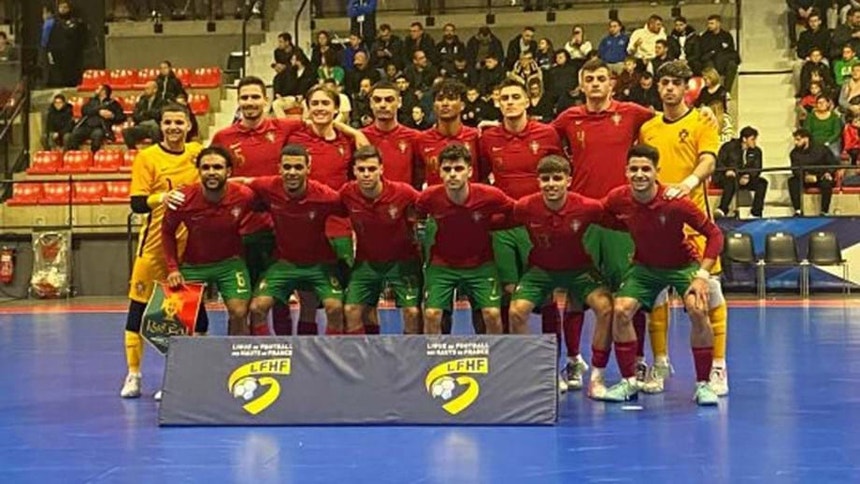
[[664, 256], [556, 220], [212, 213], [382, 214]]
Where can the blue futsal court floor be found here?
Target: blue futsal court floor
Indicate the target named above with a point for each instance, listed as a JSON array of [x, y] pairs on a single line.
[[791, 417]]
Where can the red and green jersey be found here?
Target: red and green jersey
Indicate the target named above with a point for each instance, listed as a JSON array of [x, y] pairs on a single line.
[[598, 144], [513, 157], [463, 238], [657, 228], [330, 164], [396, 148], [556, 236], [213, 227], [383, 230], [430, 143], [300, 222], [256, 152]]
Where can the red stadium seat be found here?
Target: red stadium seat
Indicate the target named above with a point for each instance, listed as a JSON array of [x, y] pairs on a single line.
[[117, 192], [144, 76], [123, 79], [45, 162], [206, 77], [77, 106], [694, 87], [118, 138], [128, 160], [107, 161], [93, 78], [25, 194], [128, 103], [88, 192], [184, 76], [76, 162], [199, 103], [55, 193]]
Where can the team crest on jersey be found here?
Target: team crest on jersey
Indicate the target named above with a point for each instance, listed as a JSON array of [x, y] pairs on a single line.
[[683, 135], [535, 146], [401, 145], [270, 136], [236, 211], [392, 212], [575, 225], [477, 216], [616, 118], [140, 288]]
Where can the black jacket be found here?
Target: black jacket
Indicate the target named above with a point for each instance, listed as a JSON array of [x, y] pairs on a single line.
[[169, 87], [515, 49], [92, 119], [447, 52], [733, 156], [473, 46], [387, 52], [815, 154], [674, 41], [144, 110], [715, 47], [59, 121], [809, 39], [425, 44]]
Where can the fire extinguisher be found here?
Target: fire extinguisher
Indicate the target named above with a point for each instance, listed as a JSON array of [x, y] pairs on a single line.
[[7, 265]]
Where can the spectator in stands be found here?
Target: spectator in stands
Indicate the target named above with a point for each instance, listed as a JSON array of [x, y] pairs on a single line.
[[147, 116], [354, 44], [59, 122], [846, 34], [526, 69], [421, 73], [361, 114], [100, 114], [419, 40], [322, 46], [285, 49], [541, 106], [491, 75], [545, 55], [345, 110], [739, 166], [523, 42], [563, 77], [47, 26], [66, 47], [417, 119], [408, 99], [362, 18], [817, 36], [645, 93], [849, 96], [194, 132], [799, 12], [481, 45], [825, 126], [713, 95], [815, 61], [290, 88], [807, 102], [851, 139], [628, 78], [642, 41], [329, 68], [661, 56], [169, 86], [449, 48], [678, 38], [613, 47], [808, 153], [474, 108], [361, 70], [718, 50], [388, 49], [462, 71], [842, 66], [578, 48], [844, 7], [8, 51]]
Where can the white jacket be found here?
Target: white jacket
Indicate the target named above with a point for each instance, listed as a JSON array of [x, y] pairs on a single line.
[[645, 50]]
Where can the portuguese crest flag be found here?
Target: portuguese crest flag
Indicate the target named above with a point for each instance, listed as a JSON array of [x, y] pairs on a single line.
[[170, 312]]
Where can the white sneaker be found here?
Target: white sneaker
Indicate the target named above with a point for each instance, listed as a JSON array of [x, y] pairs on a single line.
[[157, 396], [573, 373], [720, 381], [131, 387], [562, 385], [597, 388], [656, 377]]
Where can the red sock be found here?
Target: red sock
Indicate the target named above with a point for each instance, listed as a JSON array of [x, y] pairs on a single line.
[[371, 329], [572, 325], [625, 355], [549, 318], [354, 331], [640, 320], [599, 357], [282, 320], [308, 328], [330, 331], [260, 330], [703, 357]]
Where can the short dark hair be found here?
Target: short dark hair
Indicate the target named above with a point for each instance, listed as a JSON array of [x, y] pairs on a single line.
[[455, 152], [215, 150], [285, 36], [749, 131], [676, 68], [644, 151], [107, 88], [296, 150], [553, 164], [715, 17], [801, 133], [169, 64], [594, 64], [654, 17], [384, 85], [449, 87], [366, 153], [251, 81], [416, 24], [511, 82], [681, 18], [175, 108], [662, 42]]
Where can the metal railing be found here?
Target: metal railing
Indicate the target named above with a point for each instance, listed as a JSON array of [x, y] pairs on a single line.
[[334, 8]]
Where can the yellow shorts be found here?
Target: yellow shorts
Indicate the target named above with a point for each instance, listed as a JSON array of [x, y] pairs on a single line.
[[146, 272], [700, 240]]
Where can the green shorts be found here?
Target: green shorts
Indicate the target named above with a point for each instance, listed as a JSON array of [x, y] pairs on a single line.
[[537, 285], [646, 283], [481, 284], [343, 249], [259, 248], [511, 248], [368, 279], [282, 278], [231, 277], [611, 251], [428, 238]]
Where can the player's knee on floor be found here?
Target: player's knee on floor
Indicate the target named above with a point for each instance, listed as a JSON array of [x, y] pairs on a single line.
[[135, 316]]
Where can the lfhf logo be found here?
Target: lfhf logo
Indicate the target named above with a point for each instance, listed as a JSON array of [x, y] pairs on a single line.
[[256, 383], [454, 382]]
